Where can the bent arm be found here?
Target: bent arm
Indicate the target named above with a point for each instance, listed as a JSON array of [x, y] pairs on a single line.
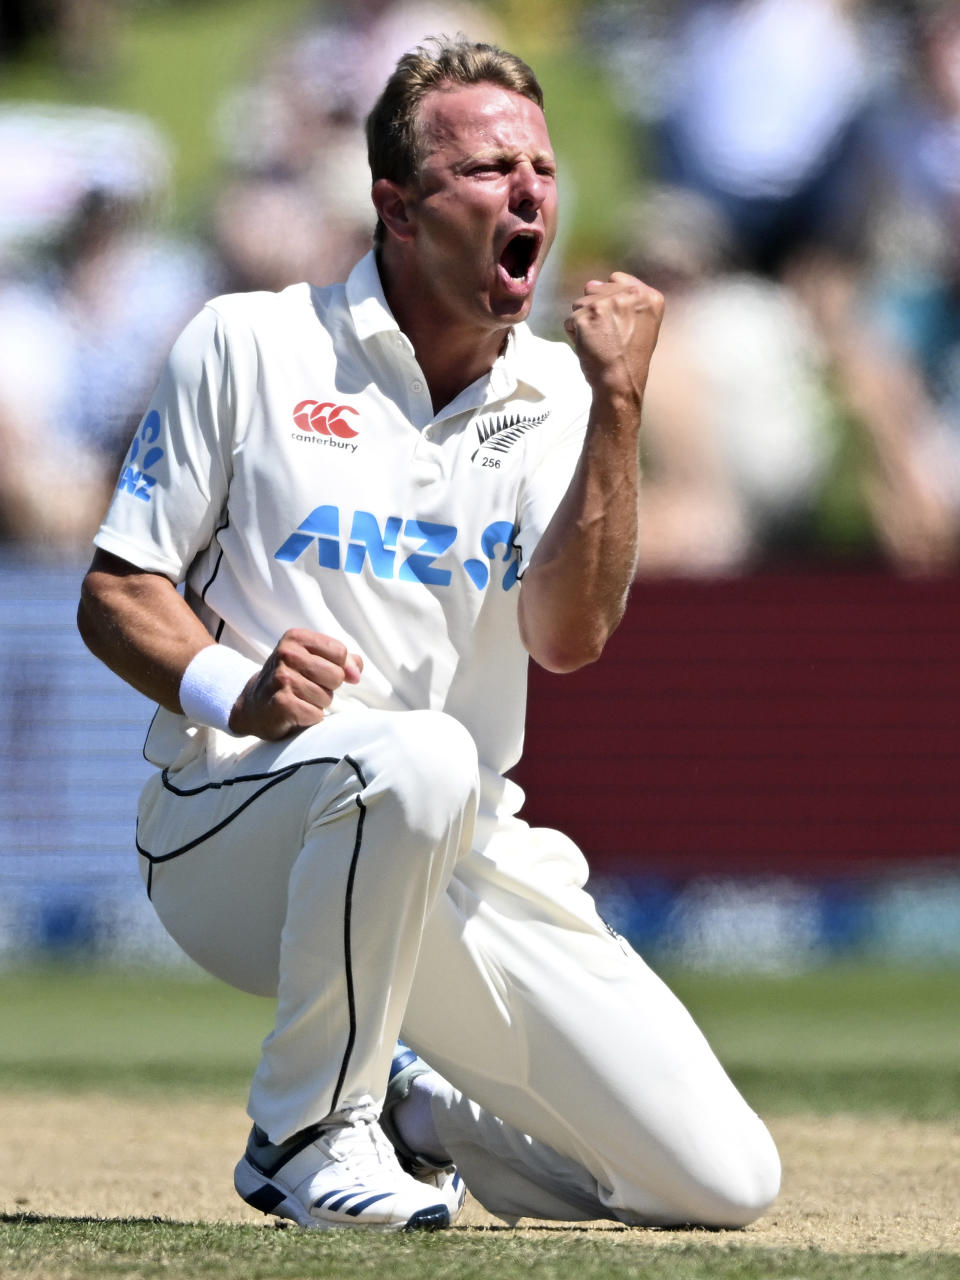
[[574, 591], [139, 625]]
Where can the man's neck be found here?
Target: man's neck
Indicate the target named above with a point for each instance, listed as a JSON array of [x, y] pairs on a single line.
[[451, 356]]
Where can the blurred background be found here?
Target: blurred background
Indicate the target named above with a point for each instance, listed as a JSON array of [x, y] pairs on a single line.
[[762, 771]]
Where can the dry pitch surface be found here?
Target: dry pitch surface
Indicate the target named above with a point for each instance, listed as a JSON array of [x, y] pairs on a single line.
[[850, 1184]]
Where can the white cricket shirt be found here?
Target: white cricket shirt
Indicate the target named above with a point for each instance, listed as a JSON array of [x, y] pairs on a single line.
[[292, 472]]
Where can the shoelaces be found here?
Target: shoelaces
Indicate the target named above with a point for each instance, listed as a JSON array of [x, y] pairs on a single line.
[[360, 1145]]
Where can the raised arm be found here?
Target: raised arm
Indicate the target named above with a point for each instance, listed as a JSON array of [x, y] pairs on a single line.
[[139, 625], [574, 591]]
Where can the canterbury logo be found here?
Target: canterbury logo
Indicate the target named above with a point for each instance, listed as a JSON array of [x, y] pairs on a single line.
[[325, 418], [503, 431]]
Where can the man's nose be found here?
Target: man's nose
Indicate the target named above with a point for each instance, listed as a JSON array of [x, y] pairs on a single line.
[[529, 189]]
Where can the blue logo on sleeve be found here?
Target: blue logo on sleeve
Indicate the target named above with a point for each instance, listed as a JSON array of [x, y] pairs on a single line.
[[407, 550], [136, 477]]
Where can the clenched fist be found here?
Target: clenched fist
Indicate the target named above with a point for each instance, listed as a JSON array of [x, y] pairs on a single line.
[[295, 685], [614, 328]]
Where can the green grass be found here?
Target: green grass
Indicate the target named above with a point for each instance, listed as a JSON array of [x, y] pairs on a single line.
[[76, 1028], [841, 1038], [65, 1248], [834, 1040], [838, 1039]]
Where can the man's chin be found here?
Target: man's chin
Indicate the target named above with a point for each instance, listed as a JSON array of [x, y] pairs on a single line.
[[512, 309]]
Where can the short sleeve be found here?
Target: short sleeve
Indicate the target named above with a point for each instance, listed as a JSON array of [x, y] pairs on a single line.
[[549, 477], [174, 481]]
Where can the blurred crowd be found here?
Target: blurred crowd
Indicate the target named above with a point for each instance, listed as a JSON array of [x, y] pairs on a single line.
[[801, 209], [796, 196]]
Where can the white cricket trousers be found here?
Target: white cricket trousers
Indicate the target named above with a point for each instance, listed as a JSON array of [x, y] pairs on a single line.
[[344, 872]]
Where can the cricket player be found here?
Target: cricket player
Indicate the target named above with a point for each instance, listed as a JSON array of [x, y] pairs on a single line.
[[380, 499]]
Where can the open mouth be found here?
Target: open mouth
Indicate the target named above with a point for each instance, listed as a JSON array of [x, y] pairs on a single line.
[[520, 254]]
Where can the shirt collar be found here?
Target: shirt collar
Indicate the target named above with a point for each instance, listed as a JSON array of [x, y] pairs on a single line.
[[366, 300], [371, 316]]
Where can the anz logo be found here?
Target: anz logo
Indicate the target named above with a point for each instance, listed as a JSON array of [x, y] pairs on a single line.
[[406, 550], [136, 477]]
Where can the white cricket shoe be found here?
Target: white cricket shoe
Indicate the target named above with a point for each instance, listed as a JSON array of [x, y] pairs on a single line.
[[339, 1174]]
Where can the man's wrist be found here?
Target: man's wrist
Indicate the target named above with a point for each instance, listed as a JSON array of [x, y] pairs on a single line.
[[213, 681]]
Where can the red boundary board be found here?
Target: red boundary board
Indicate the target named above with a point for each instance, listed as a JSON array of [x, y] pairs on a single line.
[[799, 723]]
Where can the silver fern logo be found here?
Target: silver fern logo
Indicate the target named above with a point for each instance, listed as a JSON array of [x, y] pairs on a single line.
[[501, 433]]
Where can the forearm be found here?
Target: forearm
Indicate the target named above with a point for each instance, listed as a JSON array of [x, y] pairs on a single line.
[[574, 592], [575, 589], [140, 626]]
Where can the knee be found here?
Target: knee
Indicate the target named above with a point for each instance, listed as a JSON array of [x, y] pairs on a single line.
[[430, 762], [719, 1185], [749, 1184], [440, 745]]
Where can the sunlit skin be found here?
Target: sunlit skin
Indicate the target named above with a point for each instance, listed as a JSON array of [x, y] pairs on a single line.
[[488, 173]]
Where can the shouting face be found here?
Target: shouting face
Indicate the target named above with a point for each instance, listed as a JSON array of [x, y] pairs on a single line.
[[484, 212]]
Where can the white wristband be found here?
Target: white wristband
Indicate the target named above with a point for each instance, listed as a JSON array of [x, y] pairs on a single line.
[[211, 684]]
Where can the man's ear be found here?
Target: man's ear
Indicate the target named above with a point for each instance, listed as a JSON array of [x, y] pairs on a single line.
[[395, 207]]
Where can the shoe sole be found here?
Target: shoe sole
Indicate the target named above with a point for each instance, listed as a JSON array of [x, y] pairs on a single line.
[[267, 1197]]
